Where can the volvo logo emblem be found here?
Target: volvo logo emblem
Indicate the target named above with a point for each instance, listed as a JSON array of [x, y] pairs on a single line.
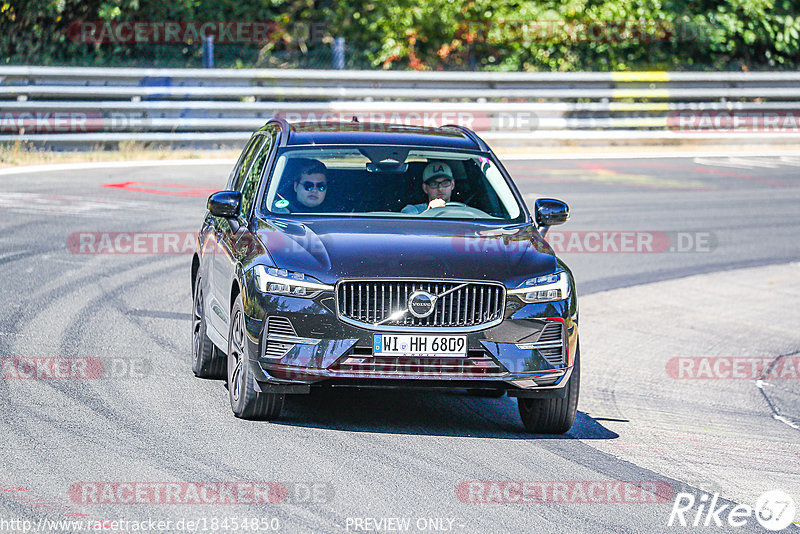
[[420, 304]]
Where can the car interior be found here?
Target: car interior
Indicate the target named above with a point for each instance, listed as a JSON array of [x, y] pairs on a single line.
[[352, 190]]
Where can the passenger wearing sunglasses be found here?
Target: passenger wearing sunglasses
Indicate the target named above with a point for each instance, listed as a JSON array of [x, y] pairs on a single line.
[[438, 184], [311, 186]]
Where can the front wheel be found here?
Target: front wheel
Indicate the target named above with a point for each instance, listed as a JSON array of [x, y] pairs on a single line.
[[553, 416], [246, 401]]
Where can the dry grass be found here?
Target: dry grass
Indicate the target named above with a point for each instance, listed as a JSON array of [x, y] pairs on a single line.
[[21, 153]]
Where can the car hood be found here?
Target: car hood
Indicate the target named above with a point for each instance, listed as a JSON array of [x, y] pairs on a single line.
[[334, 248]]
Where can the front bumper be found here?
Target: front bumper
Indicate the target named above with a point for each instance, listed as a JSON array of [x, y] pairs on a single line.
[[296, 343]]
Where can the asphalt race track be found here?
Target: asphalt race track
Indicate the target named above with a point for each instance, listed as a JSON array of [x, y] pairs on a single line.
[[674, 257]]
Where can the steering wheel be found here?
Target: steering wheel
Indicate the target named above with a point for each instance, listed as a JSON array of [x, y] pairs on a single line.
[[456, 209], [447, 204]]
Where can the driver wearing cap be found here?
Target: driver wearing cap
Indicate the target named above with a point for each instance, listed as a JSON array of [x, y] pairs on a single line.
[[438, 184]]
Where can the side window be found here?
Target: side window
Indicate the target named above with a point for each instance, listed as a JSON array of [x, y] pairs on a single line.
[[250, 184], [238, 174]]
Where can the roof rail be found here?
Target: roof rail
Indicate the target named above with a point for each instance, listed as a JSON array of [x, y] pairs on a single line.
[[472, 136], [284, 126]]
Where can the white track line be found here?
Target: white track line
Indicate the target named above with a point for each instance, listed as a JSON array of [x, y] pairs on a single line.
[[789, 422]]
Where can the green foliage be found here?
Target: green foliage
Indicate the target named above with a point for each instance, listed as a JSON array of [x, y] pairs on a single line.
[[505, 35], [38, 31], [573, 35]]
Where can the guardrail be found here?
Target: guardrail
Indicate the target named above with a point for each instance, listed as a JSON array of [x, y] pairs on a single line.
[[63, 107]]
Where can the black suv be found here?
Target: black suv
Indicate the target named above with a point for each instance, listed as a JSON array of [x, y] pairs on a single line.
[[378, 255]]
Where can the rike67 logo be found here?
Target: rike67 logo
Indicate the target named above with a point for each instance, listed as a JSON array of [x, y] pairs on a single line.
[[774, 510]]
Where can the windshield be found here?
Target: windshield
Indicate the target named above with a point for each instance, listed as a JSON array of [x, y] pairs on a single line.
[[389, 181]]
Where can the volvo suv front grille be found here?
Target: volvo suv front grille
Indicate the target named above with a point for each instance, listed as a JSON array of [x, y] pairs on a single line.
[[384, 304]]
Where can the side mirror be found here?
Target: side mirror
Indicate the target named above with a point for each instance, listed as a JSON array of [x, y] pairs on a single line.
[[225, 204], [550, 212]]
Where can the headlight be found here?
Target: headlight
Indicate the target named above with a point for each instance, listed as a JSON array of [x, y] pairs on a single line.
[[543, 288], [283, 282]]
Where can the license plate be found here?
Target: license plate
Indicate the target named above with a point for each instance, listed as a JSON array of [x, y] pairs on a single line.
[[410, 345]]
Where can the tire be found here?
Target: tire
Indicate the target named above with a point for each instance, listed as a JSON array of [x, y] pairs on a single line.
[[487, 393], [553, 416], [246, 401], [206, 359]]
